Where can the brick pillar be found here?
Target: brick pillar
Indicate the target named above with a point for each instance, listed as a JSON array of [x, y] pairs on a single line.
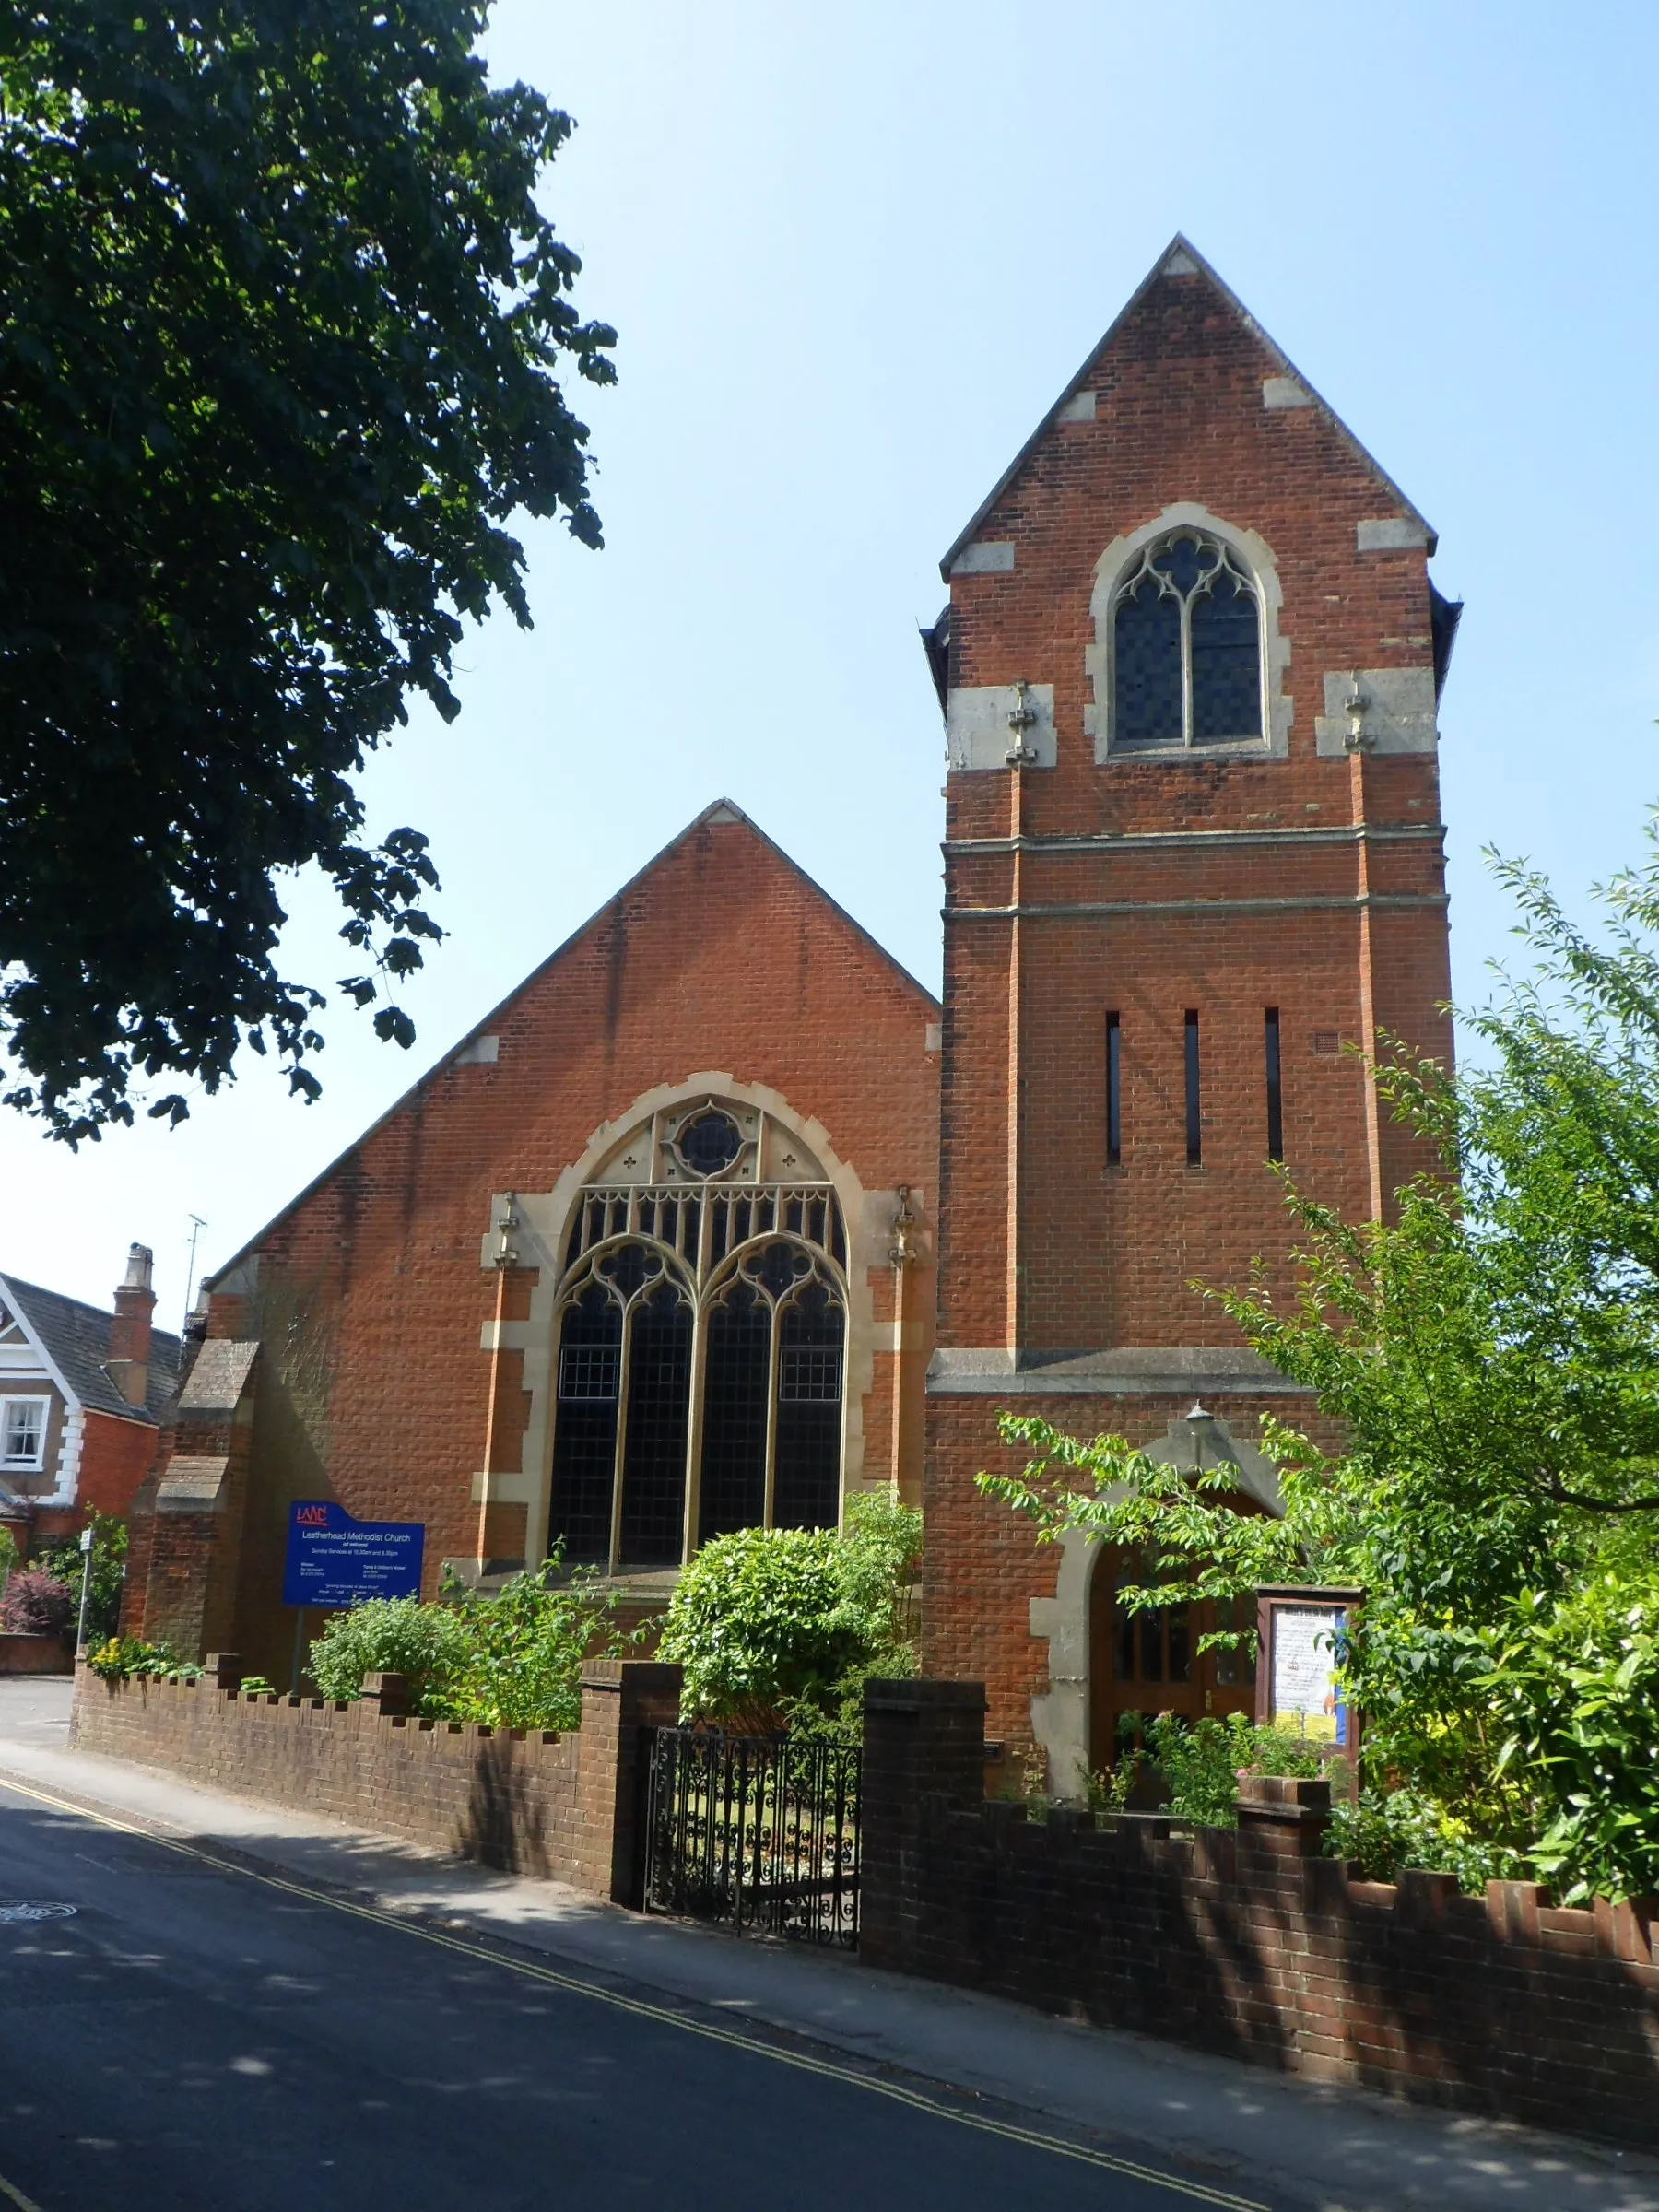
[[195, 1527], [919, 1739], [386, 1695], [1284, 1814], [622, 1701]]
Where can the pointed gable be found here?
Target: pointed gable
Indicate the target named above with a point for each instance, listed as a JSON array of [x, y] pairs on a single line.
[[1165, 319], [721, 952], [1185, 418]]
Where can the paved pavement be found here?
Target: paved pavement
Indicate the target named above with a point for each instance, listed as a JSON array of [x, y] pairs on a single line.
[[287, 2012]]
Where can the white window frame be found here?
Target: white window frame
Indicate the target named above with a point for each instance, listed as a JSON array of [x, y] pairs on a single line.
[[18, 1466]]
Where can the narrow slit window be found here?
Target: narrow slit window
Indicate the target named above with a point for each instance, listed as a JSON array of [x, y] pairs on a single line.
[[1114, 1091], [1275, 1104], [1194, 1130]]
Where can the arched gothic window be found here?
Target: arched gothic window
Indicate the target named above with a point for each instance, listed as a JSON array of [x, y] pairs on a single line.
[[701, 1342], [1186, 633]]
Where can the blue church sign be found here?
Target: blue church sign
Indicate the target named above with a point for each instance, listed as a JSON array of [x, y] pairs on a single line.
[[335, 1560]]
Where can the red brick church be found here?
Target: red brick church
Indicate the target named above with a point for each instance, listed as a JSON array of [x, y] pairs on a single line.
[[648, 1258]]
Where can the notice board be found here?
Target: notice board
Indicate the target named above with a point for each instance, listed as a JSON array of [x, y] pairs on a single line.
[[333, 1560]]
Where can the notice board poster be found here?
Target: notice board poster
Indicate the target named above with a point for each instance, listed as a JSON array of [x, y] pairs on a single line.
[[1305, 1697], [333, 1560], [1303, 1633]]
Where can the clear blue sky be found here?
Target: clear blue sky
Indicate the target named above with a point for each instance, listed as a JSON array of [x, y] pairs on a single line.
[[852, 254]]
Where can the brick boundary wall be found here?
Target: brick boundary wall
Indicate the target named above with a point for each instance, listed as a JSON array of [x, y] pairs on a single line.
[[566, 1808], [1240, 1942], [22, 1654]]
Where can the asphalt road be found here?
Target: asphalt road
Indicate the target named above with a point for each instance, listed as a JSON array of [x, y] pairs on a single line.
[[196, 2037]]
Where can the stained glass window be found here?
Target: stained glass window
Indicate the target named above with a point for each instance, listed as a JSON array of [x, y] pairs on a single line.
[[809, 1411], [1186, 649], [653, 1457], [737, 1378], [734, 1300], [1147, 668], [710, 1143], [585, 1445]]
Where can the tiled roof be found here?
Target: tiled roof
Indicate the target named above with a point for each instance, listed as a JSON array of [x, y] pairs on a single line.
[[77, 1337]]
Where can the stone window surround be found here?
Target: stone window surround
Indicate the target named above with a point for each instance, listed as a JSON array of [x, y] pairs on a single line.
[[543, 1221], [1251, 553]]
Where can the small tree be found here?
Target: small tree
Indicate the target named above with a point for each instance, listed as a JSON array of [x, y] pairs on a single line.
[[108, 1558]]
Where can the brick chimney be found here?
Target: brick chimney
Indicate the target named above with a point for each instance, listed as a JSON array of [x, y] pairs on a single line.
[[128, 1363]]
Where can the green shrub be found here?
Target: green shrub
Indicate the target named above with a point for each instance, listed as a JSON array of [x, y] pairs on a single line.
[[524, 1648], [510, 1658], [1572, 1692], [760, 1617], [124, 1658], [836, 1715], [880, 1560], [784, 1625], [1391, 1829], [426, 1644], [1201, 1762]]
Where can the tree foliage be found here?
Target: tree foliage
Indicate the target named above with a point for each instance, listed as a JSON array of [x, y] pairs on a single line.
[[35, 1603], [281, 332], [108, 1557], [1491, 1353], [782, 1625], [508, 1658]]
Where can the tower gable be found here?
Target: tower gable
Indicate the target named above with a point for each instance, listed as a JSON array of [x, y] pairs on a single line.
[[1187, 416], [1283, 389]]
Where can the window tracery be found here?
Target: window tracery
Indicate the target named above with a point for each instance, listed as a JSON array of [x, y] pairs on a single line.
[[701, 1348], [1186, 632]]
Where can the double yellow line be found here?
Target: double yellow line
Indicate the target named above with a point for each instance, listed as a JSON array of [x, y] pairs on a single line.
[[1195, 2192]]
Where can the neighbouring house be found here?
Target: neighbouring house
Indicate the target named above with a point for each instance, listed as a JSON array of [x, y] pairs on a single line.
[[721, 1216], [83, 1394]]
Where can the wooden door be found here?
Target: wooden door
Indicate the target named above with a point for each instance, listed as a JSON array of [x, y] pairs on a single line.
[[1149, 1662]]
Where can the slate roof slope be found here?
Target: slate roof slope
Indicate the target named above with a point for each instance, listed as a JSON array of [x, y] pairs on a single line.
[[75, 1338]]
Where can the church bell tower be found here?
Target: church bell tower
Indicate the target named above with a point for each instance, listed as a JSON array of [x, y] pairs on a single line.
[[1190, 669]]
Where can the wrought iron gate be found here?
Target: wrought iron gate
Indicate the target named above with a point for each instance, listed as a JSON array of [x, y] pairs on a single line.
[[758, 1830]]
